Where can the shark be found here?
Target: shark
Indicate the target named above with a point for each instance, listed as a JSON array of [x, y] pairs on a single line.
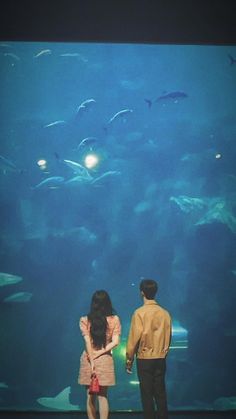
[[59, 402]]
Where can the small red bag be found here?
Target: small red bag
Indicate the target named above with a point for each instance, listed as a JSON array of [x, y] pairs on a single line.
[[94, 387]]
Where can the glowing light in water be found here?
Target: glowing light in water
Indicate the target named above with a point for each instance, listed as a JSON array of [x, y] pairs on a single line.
[[120, 351], [42, 164], [91, 160], [134, 382], [218, 156], [179, 336]]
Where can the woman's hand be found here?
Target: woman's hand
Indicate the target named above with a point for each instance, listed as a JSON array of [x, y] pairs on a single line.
[[91, 362], [98, 353]]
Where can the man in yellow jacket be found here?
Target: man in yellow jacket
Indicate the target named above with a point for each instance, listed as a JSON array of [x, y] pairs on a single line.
[[149, 339]]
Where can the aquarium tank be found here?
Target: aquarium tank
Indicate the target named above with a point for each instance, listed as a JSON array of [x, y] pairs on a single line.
[[117, 162]]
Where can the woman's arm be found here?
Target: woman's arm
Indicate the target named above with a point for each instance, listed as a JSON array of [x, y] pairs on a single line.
[[89, 350], [115, 341]]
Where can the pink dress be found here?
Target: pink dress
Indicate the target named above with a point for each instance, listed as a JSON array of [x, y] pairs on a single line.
[[104, 365]]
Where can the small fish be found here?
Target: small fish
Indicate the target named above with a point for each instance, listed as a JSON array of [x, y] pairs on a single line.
[[11, 55], [85, 106], [55, 123], [7, 165], [87, 141], [70, 54], [19, 297], [77, 168], [105, 175], [149, 102], [4, 45], [9, 279], [74, 55], [51, 182], [172, 95], [43, 52], [232, 59], [120, 114]]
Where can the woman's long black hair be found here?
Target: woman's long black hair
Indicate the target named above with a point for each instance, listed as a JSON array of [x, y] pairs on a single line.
[[100, 308]]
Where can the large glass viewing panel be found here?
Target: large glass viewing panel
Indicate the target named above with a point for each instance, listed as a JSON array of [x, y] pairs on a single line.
[[117, 162]]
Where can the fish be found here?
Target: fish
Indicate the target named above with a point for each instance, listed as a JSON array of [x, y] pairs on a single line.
[[232, 59], [51, 182], [149, 102], [76, 180], [172, 95], [120, 114], [77, 167], [87, 141], [43, 52], [7, 165], [11, 55], [4, 45], [74, 55], [175, 95], [70, 54], [84, 106], [19, 297], [60, 402], [9, 279], [105, 175], [55, 123], [3, 385]]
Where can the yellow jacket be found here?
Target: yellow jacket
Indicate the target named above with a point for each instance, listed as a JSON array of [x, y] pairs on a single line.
[[150, 332]]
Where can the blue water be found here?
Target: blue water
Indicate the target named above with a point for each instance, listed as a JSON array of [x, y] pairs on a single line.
[[159, 203]]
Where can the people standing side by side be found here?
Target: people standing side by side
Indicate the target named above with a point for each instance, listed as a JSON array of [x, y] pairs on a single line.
[[149, 340], [101, 330]]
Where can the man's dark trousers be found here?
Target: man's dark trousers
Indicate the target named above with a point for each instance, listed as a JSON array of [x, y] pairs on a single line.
[[151, 374]]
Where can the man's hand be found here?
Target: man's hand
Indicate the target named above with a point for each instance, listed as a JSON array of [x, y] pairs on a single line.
[[128, 366]]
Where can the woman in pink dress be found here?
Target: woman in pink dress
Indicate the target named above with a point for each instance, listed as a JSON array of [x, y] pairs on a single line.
[[101, 331]]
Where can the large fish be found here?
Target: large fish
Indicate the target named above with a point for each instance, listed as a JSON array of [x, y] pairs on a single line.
[[74, 55], [55, 123], [78, 180], [89, 141], [9, 279], [51, 182], [105, 175], [121, 114], [11, 55], [77, 168], [60, 402], [85, 105], [19, 297], [175, 96], [43, 52]]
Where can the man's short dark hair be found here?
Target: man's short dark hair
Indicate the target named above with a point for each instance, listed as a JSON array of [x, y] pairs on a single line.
[[149, 288]]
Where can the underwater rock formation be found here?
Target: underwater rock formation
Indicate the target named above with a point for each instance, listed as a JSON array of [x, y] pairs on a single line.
[[219, 211], [207, 210]]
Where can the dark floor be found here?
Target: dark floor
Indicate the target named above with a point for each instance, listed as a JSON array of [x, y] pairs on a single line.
[[116, 415]]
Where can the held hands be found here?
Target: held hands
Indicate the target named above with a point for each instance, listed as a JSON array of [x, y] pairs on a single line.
[[128, 366]]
